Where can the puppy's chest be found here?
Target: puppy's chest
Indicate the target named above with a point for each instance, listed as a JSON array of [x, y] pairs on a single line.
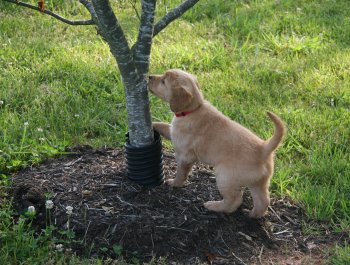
[[182, 135]]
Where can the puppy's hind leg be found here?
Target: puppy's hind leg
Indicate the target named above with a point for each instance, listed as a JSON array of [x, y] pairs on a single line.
[[228, 204], [261, 199], [162, 128], [232, 197]]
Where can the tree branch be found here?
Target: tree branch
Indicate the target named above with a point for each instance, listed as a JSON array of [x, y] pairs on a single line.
[[67, 21], [112, 32], [90, 8], [172, 15], [142, 47]]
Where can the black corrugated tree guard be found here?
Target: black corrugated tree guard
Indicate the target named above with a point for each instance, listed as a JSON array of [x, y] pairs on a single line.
[[142, 147]]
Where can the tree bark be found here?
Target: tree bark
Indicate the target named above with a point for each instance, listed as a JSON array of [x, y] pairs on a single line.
[[139, 114]]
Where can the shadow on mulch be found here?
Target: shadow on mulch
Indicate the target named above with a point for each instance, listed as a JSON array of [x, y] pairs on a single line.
[[110, 210]]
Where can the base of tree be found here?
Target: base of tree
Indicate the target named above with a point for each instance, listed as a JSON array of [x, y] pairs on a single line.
[[113, 216], [145, 164]]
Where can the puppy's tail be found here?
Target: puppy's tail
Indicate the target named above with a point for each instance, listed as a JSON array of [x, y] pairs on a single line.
[[273, 143]]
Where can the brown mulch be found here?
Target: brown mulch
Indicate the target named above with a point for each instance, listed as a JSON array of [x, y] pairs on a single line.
[[109, 210]]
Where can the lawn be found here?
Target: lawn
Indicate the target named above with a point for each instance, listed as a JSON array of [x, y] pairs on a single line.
[[59, 87]]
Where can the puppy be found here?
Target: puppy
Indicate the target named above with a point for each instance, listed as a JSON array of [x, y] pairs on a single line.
[[199, 132]]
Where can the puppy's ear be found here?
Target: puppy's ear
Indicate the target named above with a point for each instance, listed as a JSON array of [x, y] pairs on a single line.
[[180, 99]]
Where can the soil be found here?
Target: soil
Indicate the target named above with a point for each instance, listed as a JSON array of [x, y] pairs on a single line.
[[109, 210]]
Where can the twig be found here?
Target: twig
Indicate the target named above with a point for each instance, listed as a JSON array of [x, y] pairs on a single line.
[[152, 241], [224, 240], [278, 225], [281, 239], [249, 238], [272, 210], [129, 216], [135, 9], [174, 228], [241, 261], [50, 13], [122, 201], [110, 185], [87, 229], [281, 232], [260, 254], [72, 163], [96, 209], [290, 219]]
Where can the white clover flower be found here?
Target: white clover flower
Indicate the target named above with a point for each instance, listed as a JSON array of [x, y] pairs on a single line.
[[26, 123], [40, 130], [31, 209], [76, 115], [41, 139], [1, 102], [69, 210], [59, 247], [49, 204]]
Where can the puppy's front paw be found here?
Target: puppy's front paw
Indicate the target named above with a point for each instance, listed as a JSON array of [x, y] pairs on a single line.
[[173, 183], [213, 205], [156, 126]]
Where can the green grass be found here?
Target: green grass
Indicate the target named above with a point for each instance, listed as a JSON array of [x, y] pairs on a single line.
[[342, 255], [290, 57]]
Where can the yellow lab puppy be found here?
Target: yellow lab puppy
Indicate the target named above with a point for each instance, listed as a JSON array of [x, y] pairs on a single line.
[[199, 132]]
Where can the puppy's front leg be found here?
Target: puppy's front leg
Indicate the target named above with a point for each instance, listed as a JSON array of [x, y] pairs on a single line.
[[182, 171], [162, 128]]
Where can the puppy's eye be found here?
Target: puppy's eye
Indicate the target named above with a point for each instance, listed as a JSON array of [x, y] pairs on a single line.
[[163, 82]]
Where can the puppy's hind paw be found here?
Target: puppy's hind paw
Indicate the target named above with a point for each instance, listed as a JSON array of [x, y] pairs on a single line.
[[169, 182], [255, 214], [220, 206], [216, 206], [210, 205], [173, 183]]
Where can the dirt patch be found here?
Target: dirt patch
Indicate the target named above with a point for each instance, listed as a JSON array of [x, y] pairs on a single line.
[[109, 210]]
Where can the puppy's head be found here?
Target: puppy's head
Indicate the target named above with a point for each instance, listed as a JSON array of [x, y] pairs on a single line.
[[178, 88]]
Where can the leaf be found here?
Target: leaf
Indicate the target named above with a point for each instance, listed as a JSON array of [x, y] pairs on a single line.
[[117, 249], [104, 249]]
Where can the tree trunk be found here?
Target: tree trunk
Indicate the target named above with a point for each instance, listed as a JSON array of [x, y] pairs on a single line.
[[138, 109], [135, 84], [140, 130], [141, 145]]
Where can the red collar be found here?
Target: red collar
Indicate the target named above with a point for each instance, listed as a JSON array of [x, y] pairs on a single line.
[[183, 114]]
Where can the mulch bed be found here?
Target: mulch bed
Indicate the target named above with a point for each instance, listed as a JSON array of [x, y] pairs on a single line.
[[109, 210]]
